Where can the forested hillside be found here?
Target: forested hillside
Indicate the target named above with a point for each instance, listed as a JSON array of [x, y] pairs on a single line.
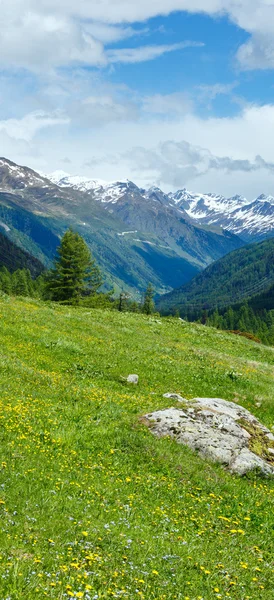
[[236, 277], [12, 257]]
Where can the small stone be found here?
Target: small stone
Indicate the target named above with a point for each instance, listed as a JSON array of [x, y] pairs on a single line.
[[271, 451], [133, 379], [175, 397], [259, 404]]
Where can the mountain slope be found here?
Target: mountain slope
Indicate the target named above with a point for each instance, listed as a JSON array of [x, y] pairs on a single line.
[[89, 496], [236, 277], [14, 258], [136, 236], [252, 221]]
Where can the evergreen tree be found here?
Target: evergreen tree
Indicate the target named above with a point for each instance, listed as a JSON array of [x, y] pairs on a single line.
[[75, 273], [148, 305], [5, 281], [134, 306], [31, 287], [123, 300], [19, 283]]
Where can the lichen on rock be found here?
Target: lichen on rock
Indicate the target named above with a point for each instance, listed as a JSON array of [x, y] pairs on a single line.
[[219, 430]]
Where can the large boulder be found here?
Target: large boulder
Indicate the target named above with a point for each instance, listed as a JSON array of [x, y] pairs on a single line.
[[220, 431]]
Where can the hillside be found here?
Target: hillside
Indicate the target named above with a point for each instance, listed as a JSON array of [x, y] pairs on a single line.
[[93, 505], [13, 258], [135, 237], [238, 276], [264, 301]]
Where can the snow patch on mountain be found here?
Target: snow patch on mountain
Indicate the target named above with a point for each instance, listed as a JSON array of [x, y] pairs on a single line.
[[22, 176], [236, 214], [106, 192]]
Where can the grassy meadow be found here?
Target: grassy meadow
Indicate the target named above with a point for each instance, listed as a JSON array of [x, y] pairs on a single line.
[[92, 505]]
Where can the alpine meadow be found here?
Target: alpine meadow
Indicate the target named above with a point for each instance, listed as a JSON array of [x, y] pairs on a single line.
[[136, 300], [93, 506]]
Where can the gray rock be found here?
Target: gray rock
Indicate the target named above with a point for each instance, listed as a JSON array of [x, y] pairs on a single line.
[[214, 427], [133, 379], [248, 461], [175, 397]]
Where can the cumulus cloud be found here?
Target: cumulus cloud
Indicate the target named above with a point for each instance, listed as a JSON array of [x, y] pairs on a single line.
[[33, 41], [257, 53], [95, 111], [176, 162], [50, 33], [27, 127]]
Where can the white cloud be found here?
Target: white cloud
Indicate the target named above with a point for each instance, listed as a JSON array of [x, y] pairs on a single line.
[[171, 105], [210, 92], [144, 53], [33, 41], [50, 33], [27, 127], [172, 163], [213, 154], [96, 111], [108, 33], [258, 52]]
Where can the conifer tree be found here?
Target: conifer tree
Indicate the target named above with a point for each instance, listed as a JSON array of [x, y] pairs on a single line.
[[75, 273], [19, 283], [5, 281], [148, 305]]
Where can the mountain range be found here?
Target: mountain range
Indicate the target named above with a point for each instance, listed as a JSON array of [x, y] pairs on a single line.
[[136, 236], [250, 220]]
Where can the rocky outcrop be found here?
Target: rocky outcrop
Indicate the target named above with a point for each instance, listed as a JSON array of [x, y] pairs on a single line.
[[219, 430]]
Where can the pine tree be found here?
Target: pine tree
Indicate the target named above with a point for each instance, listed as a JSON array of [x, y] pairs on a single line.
[[19, 283], [123, 302], [75, 273], [5, 281], [31, 287], [148, 305]]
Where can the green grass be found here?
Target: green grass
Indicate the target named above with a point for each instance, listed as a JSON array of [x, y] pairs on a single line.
[[92, 505]]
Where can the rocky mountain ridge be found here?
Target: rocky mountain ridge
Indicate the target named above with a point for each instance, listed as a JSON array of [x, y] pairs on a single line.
[[249, 220], [136, 236]]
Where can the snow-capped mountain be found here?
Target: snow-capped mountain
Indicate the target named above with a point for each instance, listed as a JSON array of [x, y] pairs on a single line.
[[249, 220], [136, 235], [13, 176], [237, 214]]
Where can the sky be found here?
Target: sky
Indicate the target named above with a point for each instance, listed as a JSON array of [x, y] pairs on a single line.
[[173, 93]]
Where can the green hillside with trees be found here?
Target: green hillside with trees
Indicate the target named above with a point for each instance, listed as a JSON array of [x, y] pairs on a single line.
[[233, 279], [12, 257]]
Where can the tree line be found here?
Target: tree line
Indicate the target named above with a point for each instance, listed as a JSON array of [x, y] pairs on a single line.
[[75, 279], [243, 319]]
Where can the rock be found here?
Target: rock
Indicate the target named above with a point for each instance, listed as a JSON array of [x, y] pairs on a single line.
[[133, 379], [219, 430], [248, 461], [175, 397]]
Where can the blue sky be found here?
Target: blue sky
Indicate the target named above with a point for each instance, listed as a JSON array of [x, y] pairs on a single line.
[[177, 93]]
